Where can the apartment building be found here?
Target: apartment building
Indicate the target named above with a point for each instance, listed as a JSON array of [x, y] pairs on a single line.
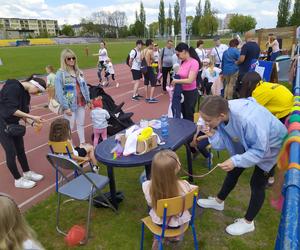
[[22, 28]]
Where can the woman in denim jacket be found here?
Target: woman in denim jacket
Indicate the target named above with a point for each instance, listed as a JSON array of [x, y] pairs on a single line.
[[72, 91]]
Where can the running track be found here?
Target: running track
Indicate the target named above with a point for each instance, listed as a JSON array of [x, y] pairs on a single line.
[[36, 144]]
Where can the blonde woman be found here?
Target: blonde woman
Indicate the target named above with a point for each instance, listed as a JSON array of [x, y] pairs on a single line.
[[15, 234], [72, 92]]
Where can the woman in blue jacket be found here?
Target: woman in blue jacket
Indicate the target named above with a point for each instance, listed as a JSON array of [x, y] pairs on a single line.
[[253, 137], [72, 91]]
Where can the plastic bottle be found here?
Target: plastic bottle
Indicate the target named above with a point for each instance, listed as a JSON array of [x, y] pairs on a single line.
[[164, 127]]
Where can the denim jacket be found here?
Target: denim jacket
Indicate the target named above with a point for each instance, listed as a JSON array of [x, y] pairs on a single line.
[[65, 89]]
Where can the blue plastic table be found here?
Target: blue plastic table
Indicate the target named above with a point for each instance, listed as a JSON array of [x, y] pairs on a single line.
[[181, 132]]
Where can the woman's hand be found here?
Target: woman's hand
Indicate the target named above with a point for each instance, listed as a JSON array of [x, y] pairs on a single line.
[[37, 119], [68, 112], [227, 165]]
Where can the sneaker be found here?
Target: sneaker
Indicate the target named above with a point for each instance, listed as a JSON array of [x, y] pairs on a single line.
[[211, 202], [240, 226], [139, 96], [24, 183], [135, 98], [153, 100], [32, 176], [117, 85], [147, 99], [96, 169]]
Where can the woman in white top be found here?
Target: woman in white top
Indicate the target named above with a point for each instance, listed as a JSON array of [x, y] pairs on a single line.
[[103, 55], [273, 43], [15, 234], [200, 50]]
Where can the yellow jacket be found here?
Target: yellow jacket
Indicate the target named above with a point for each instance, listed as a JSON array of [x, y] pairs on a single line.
[[274, 97]]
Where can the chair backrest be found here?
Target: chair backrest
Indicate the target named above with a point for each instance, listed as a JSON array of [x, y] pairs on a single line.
[[177, 204], [63, 161], [196, 117], [63, 147]]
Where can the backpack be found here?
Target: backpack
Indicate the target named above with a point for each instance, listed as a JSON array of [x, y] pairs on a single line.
[[128, 57]]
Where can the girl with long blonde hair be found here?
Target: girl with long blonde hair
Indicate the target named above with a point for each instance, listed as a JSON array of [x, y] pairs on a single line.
[[15, 234], [72, 91], [165, 184]]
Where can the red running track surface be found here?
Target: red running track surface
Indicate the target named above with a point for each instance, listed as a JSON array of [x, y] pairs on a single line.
[[36, 144]]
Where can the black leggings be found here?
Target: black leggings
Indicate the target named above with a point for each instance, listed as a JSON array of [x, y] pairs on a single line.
[[13, 146], [188, 106], [165, 72], [258, 184]]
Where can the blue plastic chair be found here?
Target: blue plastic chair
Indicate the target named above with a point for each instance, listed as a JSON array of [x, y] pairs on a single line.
[[85, 187], [171, 207]]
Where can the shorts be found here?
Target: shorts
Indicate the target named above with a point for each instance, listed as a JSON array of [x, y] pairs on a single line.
[[149, 77], [136, 74], [81, 151]]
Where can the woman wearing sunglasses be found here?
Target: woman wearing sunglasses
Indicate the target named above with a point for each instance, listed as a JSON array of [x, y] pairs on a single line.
[[72, 91], [14, 105]]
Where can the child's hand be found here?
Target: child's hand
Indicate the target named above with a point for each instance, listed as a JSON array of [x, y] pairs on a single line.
[[227, 165], [208, 131]]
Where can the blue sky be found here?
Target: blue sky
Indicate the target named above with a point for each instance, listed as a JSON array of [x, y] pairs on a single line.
[[71, 11]]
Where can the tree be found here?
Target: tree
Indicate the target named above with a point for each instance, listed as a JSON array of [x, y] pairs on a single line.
[[118, 19], [161, 17], [199, 9], [208, 24], [176, 18], [241, 23], [283, 13], [169, 21], [189, 22], [295, 18], [153, 29], [207, 8], [195, 24], [67, 30], [143, 18]]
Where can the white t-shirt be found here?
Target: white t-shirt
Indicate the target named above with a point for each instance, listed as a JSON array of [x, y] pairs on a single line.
[[220, 50], [103, 55], [99, 118], [155, 56], [31, 245], [110, 68], [275, 46], [211, 75], [135, 54], [201, 53]]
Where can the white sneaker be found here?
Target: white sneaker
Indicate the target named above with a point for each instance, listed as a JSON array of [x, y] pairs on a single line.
[[96, 169], [240, 226], [24, 183], [32, 176], [211, 202]]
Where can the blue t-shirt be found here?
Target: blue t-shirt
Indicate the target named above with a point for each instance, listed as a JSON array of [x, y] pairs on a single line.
[[230, 56], [251, 51]]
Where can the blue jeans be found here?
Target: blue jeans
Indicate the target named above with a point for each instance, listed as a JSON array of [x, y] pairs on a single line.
[[176, 105]]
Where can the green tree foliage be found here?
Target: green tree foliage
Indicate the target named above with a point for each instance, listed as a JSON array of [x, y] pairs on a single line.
[[189, 23], [208, 24], [67, 30], [295, 18], [283, 13], [143, 18], [207, 8], [161, 18], [199, 14], [176, 18], [169, 21], [153, 29], [241, 23]]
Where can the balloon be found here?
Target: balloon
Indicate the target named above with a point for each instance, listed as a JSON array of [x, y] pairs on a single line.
[[75, 235]]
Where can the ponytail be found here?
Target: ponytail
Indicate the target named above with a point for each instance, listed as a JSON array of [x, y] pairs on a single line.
[[194, 55]]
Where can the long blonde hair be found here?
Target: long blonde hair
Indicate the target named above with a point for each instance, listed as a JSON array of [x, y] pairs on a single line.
[[14, 230], [63, 65], [164, 180]]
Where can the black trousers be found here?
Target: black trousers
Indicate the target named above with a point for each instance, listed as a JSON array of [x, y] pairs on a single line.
[[13, 146], [258, 184], [165, 72], [188, 106]]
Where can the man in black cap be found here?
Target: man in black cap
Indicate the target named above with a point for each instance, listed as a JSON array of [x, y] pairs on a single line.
[[217, 51]]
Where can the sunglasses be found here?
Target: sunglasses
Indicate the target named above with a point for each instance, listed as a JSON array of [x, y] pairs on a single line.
[[71, 58]]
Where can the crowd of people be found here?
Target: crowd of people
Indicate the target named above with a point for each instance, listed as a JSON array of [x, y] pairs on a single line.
[[252, 137]]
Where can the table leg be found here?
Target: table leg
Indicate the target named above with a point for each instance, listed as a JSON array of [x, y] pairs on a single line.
[[148, 171], [112, 186], [189, 161]]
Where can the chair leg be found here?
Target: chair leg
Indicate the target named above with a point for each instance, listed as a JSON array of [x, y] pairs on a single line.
[[195, 237], [160, 243], [91, 166], [209, 160], [88, 219], [58, 215], [56, 180], [142, 238]]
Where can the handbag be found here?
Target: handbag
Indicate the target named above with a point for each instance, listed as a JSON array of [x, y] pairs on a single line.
[[15, 130], [55, 107]]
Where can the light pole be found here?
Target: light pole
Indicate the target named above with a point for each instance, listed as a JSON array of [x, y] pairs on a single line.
[[183, 20]]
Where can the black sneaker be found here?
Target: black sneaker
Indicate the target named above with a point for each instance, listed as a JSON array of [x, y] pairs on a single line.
[[139, 96], [135, 98], [152, 100]]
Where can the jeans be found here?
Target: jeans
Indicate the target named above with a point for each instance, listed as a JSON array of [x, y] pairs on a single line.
[[78, 116], [176, 105], [13, 146], [165, 72], [258, 184]]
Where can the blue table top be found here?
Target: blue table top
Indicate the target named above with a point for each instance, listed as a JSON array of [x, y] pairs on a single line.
[[180, 131]]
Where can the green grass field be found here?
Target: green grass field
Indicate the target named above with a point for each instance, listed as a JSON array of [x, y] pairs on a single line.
[[20, 62], [122, 231]]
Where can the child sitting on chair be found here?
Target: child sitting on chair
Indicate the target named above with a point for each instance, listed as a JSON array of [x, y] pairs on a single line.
[[60, 131], [99, 119], [109, 72], [165, 184]]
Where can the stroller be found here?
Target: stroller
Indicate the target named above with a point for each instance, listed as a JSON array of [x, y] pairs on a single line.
[[118, 120]]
